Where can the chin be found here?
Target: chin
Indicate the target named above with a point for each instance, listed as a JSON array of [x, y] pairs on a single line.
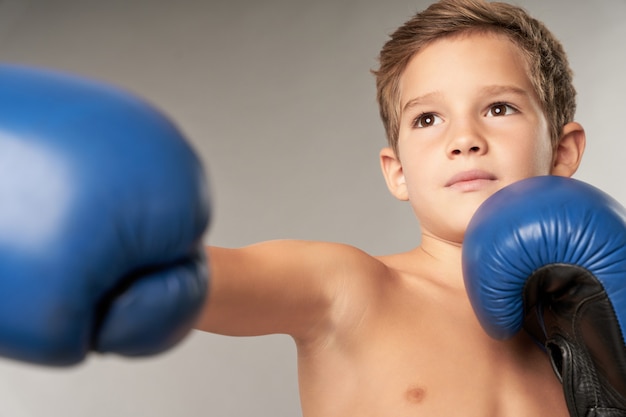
[[458, 234]]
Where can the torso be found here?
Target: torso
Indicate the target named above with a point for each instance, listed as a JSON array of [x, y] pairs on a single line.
[[411, 346]]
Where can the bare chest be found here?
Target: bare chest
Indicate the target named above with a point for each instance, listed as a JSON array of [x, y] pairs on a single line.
[[404, 361]]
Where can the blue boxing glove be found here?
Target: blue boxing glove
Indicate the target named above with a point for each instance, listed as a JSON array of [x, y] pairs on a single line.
[[103, 206], [548, 254]]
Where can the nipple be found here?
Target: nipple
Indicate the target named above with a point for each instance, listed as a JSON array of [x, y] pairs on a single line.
[[415, 394]]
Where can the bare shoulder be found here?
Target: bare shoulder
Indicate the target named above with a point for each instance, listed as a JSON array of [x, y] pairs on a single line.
[[361, 285], [390, 287]]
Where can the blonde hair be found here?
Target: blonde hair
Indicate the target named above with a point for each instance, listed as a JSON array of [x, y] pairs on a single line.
[[549, 70]]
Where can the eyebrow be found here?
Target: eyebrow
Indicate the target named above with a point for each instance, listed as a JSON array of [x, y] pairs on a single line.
[[419, 100], [505, 89], [488, 90]]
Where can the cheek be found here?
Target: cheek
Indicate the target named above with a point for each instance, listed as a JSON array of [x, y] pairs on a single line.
[[543, 157], [543, 152], [420, 173], [420, 184], [533, 157]]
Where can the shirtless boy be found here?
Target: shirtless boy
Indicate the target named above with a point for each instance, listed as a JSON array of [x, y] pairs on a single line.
[[477, 102], [470, 106]]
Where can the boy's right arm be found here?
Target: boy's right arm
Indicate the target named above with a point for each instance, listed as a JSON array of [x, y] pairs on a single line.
[[300, 288]]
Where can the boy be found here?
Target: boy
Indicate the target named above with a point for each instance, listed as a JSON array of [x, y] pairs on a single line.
[[474, 96]]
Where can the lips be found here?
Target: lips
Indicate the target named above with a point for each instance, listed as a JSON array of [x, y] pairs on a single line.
[[470, 179]]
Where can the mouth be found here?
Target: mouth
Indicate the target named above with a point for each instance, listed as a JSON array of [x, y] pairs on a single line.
[[472, 180]]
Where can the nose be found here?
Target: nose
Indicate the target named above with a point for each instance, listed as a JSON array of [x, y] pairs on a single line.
[[466, 140]]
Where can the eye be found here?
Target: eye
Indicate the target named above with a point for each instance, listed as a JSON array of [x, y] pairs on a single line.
[[501, 109], [426, 120]]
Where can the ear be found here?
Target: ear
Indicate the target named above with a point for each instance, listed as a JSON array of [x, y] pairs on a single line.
[[569, 151], [393, 173]]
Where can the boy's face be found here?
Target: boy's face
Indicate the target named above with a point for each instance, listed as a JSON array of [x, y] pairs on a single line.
[[471, 124]]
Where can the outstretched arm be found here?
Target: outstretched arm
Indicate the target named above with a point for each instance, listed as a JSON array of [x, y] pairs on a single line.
[[300, 288]]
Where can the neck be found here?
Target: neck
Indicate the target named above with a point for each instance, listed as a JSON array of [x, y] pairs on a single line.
[[445, 256], [440, 249]]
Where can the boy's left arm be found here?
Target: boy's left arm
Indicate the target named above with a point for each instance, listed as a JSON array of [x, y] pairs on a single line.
[[548, 254]]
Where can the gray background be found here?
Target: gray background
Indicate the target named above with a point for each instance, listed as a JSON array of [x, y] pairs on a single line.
[[277, 97]]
